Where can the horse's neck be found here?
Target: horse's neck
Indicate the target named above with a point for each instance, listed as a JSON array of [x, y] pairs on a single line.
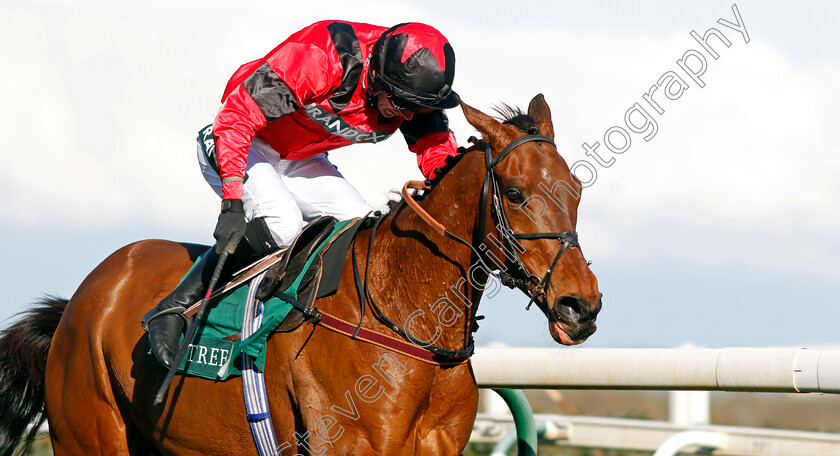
[[428, 277]]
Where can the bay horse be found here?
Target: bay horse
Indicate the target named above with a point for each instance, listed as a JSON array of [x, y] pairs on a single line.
[[77, 362]]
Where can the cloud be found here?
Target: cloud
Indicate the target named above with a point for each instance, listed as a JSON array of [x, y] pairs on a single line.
[[101, 104], [741, 173]]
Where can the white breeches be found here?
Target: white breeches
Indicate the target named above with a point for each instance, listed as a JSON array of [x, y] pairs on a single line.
[[290, 193]]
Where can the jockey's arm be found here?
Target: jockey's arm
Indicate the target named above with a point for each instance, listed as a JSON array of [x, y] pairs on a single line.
[[428, 136], [266, 91], [234, 128]]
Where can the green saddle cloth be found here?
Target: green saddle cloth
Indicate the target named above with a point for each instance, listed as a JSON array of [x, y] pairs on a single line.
[[213, 357]]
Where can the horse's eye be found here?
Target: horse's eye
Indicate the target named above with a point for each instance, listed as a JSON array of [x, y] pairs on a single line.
[[514, 195]]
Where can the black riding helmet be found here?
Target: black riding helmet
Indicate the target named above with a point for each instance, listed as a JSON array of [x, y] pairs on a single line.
[[415, 65]]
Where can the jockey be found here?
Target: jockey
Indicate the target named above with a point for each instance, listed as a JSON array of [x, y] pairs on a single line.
[[329, 85]]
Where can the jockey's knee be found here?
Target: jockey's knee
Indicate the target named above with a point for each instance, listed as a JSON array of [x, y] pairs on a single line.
[[277, 219], [258, 238], [283, 230], [351, 209]]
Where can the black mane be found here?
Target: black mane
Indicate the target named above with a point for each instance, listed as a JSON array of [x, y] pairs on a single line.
[[509, 115], [513, 115], [393, 206]]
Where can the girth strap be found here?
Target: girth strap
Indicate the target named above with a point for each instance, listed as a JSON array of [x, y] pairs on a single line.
[[401, 346]]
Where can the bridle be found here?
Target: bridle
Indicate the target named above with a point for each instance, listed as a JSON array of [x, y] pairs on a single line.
[[515, 274]]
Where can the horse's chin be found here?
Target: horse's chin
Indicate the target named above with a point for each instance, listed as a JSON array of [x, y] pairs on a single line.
[[563, 331], [561, 336]]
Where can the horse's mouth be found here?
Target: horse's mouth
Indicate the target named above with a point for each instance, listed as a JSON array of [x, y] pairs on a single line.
[[567, 328], [564, 334]]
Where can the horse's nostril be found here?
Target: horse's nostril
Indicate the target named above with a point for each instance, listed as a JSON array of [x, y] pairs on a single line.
[[571, 308]]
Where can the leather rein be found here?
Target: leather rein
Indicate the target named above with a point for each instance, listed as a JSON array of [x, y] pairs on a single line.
[[519, 277]]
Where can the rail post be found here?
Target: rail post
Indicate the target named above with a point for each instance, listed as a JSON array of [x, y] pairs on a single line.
[[523, 420]]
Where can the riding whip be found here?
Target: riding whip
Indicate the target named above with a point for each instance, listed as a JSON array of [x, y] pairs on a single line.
[[164, 387]]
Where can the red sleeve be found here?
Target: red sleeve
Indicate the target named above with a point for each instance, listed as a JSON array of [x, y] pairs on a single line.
[[432, 150], [235, 126], [295, 73]]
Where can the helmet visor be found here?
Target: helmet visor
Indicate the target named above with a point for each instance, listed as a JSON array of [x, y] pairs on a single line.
[[408, 98], [405, 105]]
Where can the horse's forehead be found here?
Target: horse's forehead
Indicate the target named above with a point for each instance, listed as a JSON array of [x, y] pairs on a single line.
[[541, 163]]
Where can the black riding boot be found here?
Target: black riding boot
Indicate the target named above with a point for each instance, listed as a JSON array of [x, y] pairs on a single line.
[[166, 322]]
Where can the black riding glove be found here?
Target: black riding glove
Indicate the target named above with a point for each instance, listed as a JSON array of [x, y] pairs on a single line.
[[230, 227]]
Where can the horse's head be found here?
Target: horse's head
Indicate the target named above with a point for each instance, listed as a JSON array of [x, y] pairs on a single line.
[[529, 224]]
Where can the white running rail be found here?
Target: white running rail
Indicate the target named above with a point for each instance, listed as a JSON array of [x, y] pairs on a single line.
[[712, 369]]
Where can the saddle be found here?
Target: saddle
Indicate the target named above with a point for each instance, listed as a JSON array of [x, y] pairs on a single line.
[[313, 269], [309, 269]]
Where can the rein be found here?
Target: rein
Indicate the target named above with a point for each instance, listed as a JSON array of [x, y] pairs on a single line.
[[531, 284], [407, 346], [521, 277], [446, 356]]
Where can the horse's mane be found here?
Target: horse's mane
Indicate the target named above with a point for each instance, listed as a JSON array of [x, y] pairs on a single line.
[[508, 115], [393, 206], [513, 115]]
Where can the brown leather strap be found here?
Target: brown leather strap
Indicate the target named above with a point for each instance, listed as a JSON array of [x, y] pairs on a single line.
[[418, 185], [249, 274], [400, 346]]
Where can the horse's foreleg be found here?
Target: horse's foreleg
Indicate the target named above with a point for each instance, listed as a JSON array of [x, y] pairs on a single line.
[[433, 443], [437, 441]]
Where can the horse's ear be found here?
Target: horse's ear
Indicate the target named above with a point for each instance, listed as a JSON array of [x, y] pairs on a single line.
[[490, 128], [538, 110]]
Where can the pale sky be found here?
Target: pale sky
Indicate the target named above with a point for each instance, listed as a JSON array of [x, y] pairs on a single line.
[[721, 230]]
